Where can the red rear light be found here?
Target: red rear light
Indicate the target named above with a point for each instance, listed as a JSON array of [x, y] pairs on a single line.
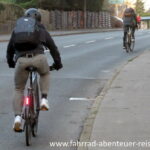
[[26, 102]]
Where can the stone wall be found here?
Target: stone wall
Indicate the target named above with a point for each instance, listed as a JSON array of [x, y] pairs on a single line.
[[8, 15]]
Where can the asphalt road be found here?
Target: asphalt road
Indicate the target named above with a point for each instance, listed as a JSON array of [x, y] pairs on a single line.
[[89, 61]]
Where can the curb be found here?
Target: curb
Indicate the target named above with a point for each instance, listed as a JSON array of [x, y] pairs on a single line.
[[86, 32], [74, 33], [89, 121], [1, 41]]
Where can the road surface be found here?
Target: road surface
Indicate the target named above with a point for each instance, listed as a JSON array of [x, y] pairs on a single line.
[[89, 62]]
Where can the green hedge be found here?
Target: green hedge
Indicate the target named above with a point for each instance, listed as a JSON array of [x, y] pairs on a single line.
[[145, 14], [2, 7], [7, 1], [32, 3], [92, 5]]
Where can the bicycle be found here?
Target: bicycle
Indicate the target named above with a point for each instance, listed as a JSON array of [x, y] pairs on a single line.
[[129, 43], [31, 106]]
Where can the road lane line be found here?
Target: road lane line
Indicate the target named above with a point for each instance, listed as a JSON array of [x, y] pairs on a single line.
[[90, 41], [69, 46], [108, 38], [106, 71], [80, 99]]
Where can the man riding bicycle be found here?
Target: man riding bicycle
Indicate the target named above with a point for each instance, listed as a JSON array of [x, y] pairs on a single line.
[[129, 20], [27, 54]]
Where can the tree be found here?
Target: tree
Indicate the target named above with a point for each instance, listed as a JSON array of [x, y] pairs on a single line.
[[95, 5], [106, 5], [53, 4], [21, 1], [91, 5], [139, 7]]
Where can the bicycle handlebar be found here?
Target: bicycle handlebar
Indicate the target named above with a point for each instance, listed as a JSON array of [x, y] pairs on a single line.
[[51, 68]]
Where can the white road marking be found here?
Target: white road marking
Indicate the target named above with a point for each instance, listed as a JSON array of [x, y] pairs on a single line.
[[90, 41], [108, 38], [69, 46], [106, 71], [80, 99]]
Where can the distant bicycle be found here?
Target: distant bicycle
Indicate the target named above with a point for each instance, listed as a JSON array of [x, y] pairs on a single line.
[[31, 106], [129, 42]]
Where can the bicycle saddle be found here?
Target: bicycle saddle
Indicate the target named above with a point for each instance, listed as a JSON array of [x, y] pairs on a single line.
[[31, 68]]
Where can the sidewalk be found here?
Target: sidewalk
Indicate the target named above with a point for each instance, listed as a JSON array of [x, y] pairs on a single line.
[[123, 110], [6, 37]]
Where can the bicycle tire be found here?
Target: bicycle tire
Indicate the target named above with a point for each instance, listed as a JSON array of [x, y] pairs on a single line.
[[127, 46], [129, 42], [37, 109], [28, 127], [35, 127], [132, 46]]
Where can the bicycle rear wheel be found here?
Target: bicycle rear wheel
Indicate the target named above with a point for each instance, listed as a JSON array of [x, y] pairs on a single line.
[[27, 127], [132, 46], [36, 110], [127, 43]]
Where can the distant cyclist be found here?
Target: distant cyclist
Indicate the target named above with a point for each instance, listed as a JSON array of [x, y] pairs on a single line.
[[26, 44], [138, 18], [129, 20]]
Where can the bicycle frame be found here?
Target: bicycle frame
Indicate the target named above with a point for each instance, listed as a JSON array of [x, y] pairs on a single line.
[[31, 105], [29, 99], [129, 31]]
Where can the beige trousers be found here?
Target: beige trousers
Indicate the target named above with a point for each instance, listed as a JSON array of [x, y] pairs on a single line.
[[21, 76]]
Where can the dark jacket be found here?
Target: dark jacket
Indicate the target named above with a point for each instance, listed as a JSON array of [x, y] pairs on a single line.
[[45, 39], [130, 20]]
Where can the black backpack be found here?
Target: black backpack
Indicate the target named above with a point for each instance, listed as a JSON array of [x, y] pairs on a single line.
[[26, 32]]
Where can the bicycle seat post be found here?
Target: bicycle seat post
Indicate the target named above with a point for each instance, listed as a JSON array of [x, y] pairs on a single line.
[[30, 74], [31, 69]]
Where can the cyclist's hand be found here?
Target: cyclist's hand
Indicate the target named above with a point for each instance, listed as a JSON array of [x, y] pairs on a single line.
[[11, 64], [57, 66]]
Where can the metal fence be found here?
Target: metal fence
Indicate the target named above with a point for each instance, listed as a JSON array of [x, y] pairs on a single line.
[[75, 20]]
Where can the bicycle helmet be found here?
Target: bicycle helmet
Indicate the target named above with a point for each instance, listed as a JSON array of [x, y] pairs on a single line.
[[33, 12]]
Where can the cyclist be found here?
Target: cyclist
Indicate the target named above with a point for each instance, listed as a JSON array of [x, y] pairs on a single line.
[[26, 56], [138, 18], [129, 20]]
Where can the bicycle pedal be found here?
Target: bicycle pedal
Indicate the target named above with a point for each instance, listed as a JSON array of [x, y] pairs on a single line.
[[19, 131]]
